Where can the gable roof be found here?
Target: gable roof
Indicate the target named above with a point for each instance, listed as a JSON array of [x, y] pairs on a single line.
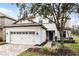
[[27, 18], [25, 25], [2, 15]]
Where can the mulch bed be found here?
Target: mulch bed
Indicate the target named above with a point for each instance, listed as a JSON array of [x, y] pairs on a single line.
[[58, 52]]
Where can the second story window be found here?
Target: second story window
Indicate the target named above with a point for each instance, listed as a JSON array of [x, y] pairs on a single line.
[[40, 21], [50, 21]]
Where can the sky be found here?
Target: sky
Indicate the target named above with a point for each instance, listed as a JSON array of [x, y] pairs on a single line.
[[9, 9], [12, 11]]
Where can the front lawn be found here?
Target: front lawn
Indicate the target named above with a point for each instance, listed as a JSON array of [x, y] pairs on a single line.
[[30, 54], [33, 52], [74, 46], [70, 49], [47, 52]]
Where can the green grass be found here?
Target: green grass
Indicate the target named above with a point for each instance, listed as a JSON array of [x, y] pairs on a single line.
[[26, 53], [45, 49], [76, 38], [74, 46], [30, 54]]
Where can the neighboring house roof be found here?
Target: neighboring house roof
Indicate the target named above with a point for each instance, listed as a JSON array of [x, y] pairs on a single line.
[[2, 15], [25, 25], [30, 18], [7, 17], [27, 18]]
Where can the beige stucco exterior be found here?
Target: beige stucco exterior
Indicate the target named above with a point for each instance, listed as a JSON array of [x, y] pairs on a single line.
[[8, 21], [50, 26], [4, 20], [25, 38], [24, 21]]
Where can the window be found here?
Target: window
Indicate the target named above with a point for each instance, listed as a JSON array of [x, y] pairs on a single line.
[[50, 21], [37, 33], [26, 32], [23, 32], [40, 21], [33, 32], [17, 32], [11, 32], [14, 32], [29, 32]]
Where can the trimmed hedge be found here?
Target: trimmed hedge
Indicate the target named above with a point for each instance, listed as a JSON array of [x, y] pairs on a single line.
[[67, 41]]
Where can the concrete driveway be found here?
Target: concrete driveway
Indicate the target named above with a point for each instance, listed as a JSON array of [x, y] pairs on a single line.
[[12, 49]]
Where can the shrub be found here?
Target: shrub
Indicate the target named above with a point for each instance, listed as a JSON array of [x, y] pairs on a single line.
[[45, 49], [65, 52], [29, 54], [70, 38], [53, 43], [67, 41]]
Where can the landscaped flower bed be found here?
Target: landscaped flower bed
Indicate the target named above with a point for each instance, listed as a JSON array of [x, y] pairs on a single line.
[[46, 52]]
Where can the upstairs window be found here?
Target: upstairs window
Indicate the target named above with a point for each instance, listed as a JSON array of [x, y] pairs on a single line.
[[40, 21], [50, 21]]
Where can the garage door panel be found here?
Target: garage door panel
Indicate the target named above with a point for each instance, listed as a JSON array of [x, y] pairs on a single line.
[[23, 38]]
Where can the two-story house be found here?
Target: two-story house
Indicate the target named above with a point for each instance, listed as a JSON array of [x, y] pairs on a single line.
[[33, 31], [4, 19]]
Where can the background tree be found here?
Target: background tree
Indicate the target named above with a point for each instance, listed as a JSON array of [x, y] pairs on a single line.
[[75, 29], [23, 10], [60, 13]]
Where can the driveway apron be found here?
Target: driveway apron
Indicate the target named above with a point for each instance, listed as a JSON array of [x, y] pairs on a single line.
[[12, 49]]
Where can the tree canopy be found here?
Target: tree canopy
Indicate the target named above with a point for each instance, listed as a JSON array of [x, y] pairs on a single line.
[[60, 13]]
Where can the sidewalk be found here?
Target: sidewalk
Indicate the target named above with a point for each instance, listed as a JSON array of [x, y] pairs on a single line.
[[48, 44]]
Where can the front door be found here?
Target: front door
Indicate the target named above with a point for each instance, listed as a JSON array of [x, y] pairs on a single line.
[[50, 35]]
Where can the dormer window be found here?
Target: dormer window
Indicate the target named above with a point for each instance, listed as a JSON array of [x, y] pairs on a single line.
[[50, 21], [40, 21]]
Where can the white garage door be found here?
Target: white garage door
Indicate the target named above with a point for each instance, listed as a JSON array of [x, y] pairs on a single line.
[[24, 37]]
